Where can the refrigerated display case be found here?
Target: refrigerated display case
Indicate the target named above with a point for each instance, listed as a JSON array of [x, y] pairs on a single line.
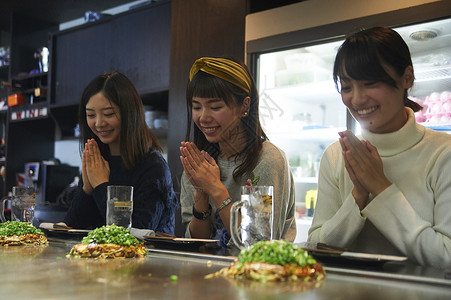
[[301, 110], [430, 47]]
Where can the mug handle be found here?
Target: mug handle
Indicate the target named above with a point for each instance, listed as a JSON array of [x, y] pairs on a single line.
[[2, 209], [234, 228]]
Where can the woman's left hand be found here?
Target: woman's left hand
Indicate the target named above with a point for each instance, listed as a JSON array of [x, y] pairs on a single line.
[[365, 163], [200, 167]]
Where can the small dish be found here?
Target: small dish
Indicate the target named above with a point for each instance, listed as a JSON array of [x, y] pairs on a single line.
[[352, 259], [55, 230], [174, 243]]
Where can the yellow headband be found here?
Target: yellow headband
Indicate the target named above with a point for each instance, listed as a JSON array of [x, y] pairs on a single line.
[[224, 69]]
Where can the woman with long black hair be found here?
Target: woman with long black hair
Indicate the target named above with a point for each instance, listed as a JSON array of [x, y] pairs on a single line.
[[119, 149]]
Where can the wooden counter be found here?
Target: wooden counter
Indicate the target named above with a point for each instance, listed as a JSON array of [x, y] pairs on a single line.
[[46, 273]]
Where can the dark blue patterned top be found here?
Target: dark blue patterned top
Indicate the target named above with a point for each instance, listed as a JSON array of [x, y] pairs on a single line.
[[154, 200], [220, 233]]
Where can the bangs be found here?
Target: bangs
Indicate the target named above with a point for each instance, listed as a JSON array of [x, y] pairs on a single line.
[[359, 60], [204, 85]]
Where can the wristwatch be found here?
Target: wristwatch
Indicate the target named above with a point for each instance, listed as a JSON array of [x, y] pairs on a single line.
[[202, 215]]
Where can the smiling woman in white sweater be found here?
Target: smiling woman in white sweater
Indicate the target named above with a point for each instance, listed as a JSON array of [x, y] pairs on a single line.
[[390, 191]]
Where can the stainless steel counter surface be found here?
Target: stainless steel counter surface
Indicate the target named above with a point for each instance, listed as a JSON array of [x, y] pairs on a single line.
[[46, 273]]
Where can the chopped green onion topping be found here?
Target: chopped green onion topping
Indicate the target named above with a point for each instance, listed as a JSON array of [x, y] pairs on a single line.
[[276, 252], [10, 228], [111, 234]]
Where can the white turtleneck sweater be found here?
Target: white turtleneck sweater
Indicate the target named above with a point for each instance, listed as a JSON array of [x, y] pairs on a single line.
[[412, 217]]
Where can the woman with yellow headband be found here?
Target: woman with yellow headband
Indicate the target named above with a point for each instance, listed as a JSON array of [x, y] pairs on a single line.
[[229, 148]]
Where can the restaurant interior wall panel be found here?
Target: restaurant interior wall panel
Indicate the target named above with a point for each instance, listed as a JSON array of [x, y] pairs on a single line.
[[79, 56], [140, 48], [135, 43]]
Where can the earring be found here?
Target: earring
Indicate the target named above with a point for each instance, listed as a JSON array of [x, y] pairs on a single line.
[[245, 113]]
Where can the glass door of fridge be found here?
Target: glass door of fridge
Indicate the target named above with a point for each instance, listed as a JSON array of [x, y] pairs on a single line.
[[301, 112], [430, 46]]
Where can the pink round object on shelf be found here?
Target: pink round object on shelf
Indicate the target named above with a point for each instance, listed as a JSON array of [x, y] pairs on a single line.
[[446, 106], [445, 96], [434, 97]]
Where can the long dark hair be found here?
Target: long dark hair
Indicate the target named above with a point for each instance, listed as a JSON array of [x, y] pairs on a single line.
[[136, 138], [364, 53], [209, 86]]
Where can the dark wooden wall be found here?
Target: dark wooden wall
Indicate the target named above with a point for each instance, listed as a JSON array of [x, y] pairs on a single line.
[[199, 28]]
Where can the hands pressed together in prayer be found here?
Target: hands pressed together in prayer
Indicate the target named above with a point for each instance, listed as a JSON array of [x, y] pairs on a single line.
[[364, 166], [95, 169], [204, 174], [201, 168]]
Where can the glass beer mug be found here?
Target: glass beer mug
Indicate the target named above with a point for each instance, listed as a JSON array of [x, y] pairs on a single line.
[[256, 207], [22, 204]]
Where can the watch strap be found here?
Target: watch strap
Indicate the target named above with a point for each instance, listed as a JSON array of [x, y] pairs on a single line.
[[202, 215]]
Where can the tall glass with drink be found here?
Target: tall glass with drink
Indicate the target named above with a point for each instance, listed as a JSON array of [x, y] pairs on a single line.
[[119, 205]]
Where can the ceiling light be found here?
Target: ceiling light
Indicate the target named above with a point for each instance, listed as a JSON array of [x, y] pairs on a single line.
[[423, 35]]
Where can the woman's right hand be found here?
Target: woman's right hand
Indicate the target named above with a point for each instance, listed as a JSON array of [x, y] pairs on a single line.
[[359, 192], [87, 187]]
